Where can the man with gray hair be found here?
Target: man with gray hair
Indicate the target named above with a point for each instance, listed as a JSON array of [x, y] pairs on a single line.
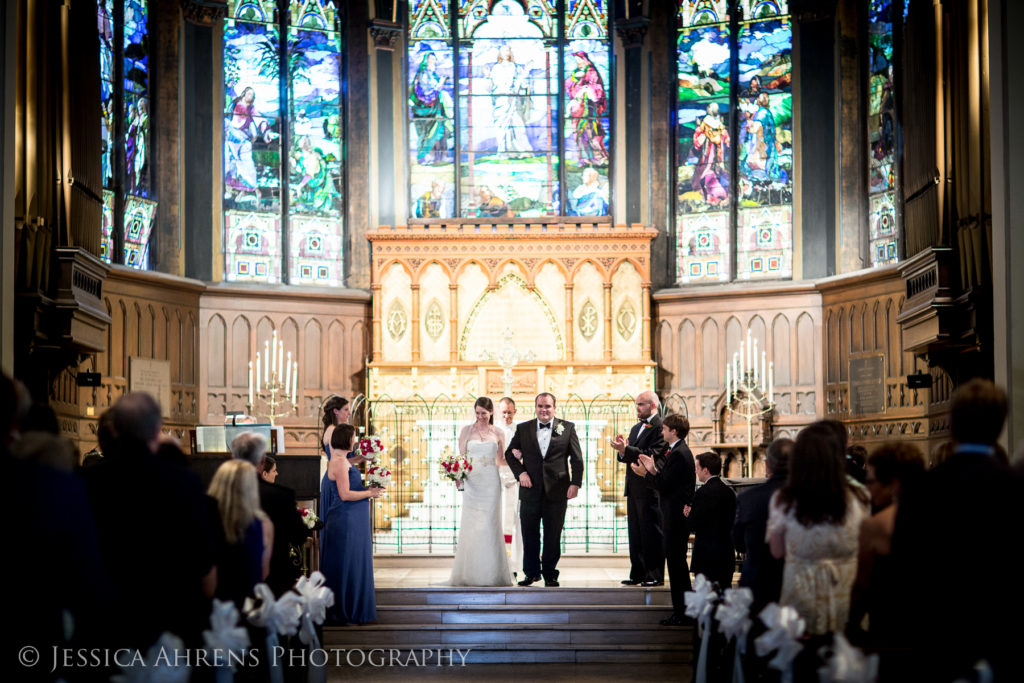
[[278, 502], [643, 512]]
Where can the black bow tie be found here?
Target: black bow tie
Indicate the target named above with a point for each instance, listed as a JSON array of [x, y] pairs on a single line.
[[544, 425]]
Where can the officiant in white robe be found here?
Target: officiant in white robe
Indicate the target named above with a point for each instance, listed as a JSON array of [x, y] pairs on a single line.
[[510, 490]]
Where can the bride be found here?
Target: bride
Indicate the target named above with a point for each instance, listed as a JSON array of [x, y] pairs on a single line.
[[480, 558]]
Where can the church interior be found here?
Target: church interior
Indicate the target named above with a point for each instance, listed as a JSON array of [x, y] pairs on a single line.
[[767, 212]]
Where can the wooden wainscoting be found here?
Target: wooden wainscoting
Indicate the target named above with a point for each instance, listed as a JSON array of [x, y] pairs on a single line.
[[326, 330]]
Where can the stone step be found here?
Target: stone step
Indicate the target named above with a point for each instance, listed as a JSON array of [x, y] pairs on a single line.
[[526, 635], [519, 614], [447, 595], [491, 653]]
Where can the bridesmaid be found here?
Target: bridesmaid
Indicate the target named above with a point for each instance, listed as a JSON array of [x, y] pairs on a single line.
[[336, 412], [347, 548]]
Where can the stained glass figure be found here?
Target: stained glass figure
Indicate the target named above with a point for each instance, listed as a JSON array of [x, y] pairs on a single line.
[[881, 134]]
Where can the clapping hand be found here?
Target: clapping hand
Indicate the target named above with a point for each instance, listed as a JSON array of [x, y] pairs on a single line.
[[648, 463], [619, 443], [638, 469], [686, 510]]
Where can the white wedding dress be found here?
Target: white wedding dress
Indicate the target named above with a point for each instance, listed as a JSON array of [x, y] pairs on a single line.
[[480, 557]]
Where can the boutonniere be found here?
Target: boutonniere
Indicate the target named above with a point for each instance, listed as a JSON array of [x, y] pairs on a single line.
[[559, 429]]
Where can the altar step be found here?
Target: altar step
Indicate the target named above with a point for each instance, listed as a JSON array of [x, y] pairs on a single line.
[[524, 625]]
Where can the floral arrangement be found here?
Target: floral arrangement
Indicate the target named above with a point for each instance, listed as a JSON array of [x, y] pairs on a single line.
[[309, 518], [370, 448], [455, 467], [378, 475]]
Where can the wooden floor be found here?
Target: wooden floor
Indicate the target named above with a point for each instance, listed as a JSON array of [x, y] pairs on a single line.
[[590, 627]]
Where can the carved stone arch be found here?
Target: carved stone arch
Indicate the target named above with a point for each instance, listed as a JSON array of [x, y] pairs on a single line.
[[465, 264], [189, 359], [336, 343], [426, 264], [805, 350], [311, 368], [687, 365], [712, 359], [216, 345], [626, 259], [532, 296], [665, 352], [386, 266], [239, 351], [603, 272], [877, 330], [556, 262], [524, 272], [781, 351]]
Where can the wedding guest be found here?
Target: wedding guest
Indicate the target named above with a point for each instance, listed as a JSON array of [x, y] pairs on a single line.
[[336, 412], [154, 532], [510, 492], [950, 547], [643, 514], [891, 467], [673, 476], [814, 523], [856, 462], [840, 432], [244, 559], [278, 503], [711, 517], [346, 543], [761, 572], [268, 471], [49, 523]]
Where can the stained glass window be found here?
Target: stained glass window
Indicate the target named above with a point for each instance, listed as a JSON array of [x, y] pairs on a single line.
[[883, 233], [125, 161], [734, 149], [272, 234], [487, 80]]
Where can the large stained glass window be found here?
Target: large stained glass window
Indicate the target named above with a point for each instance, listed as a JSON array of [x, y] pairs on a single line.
[[734, 144], [125, 132], [509, 108], [283, 142], [883, 234]]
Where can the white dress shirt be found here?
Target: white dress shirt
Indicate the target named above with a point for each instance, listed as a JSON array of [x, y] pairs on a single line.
[[544, 437]]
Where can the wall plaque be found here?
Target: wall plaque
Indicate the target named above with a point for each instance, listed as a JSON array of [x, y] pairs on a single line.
[[152, 377], [867, 385]]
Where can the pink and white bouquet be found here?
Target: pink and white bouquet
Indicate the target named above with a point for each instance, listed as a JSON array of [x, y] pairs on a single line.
[[378, 475], [309, 518], [370, 448], [455, 467]]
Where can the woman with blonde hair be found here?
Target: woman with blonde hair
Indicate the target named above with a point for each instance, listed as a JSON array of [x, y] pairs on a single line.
[[243, 560]]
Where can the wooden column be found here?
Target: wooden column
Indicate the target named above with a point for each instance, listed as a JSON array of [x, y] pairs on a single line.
[[453, 322], [415, 321], [570, 347], [607, 321]]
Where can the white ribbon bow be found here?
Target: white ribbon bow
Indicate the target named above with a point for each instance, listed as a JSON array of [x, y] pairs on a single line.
[[161, 664], [733, 616], [225, 636], [315, 598], [785, 628], [700, 603], [277, 617], [846, 664]]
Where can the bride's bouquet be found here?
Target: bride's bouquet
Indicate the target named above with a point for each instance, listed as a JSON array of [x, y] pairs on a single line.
[[379, 476], [370, 448], [456, 468], [309, 518]]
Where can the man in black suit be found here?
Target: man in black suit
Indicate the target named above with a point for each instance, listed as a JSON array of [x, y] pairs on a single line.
[[278, 502], [674, 477], [761, 572], [643, 514], [545, 456], [711, 517]]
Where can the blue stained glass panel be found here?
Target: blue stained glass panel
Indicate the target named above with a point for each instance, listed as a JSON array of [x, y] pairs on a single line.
[[105, 25], [881, 107], [136, 95], [587, 127]]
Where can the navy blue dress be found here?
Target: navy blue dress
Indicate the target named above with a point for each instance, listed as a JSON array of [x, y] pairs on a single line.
[[326, 485], [346, 558]]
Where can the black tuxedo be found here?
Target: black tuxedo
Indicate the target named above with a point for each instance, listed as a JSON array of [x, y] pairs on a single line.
[[711, 517], [550, 475], [643, 515], [279, 504], [675, 482], [761, 572]]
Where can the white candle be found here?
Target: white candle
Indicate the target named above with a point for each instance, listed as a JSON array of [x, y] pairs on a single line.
[[771, 383], [250, 382], [273, 361], [764, 375], [266, 361], [288, 375]]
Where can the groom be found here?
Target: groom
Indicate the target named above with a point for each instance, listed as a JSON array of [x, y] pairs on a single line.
[[541, 454]]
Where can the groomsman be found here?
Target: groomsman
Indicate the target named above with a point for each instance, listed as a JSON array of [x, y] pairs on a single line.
[[509, 491], [643, 514]]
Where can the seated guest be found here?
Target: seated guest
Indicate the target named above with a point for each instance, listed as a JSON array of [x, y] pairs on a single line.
[[856, 460], [268, 472], [244, 559], [278, 503], [814, 523], [346, 546], [711, 517], [154, 532], [951, 548], [890, 468], [761, 572], [674, 477]]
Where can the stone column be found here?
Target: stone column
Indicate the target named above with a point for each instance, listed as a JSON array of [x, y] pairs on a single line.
[[453, 322], [607, 321], [570, 347]]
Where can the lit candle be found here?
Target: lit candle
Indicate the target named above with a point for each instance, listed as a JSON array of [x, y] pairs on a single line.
[[771, 383], [288, 375], [259, 387], [250, 382], [764, 376]]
